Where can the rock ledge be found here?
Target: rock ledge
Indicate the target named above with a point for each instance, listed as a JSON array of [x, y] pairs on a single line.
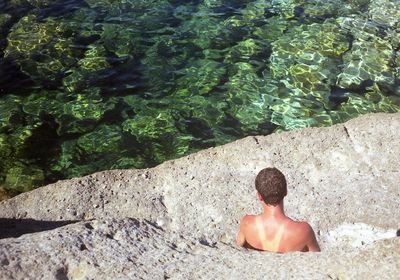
[[178, 220]]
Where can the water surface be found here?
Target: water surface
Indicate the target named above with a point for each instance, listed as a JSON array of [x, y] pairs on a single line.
[[93, 85]]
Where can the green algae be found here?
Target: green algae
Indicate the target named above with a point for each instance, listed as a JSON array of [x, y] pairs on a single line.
[[129, 84]]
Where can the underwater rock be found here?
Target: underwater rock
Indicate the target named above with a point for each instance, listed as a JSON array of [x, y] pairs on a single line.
[[204, 32], [367, 61], [247, 50], [129, 162], [93, 64], [360, 4], [310, 78], [72, 161], [11, 115], [184, 11], [121, 40], [305, 60], [318, 44], [138, 5], [207, 32], [153, 126], [197, 116], [68, 155], [320, 10], [85, 26], [272, 30], [361, 28], [292, 113], [247, 99], [6, 156], [163, 62], [41, 103], [215, 6], [212, 3], [32, 145], [94, 59], [287, 9], [156, 131], [51, 49], [201, 77], [386, 12], [15, 151], [397, 81], [210, 110], [4, 19], [24, 178], [256, 12], [82, 112], [373, 101], [142, 15], [4, 194], [5, 148], [34, 3], [43, 49], [371, 56], [104, 139]]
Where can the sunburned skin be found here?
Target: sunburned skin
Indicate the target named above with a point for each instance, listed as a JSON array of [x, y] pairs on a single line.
[[273, 231]]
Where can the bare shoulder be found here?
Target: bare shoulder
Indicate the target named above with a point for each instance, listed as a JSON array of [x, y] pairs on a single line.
[[306, 227], [303, 229], [246, 220], [308, 236], [245, 223]]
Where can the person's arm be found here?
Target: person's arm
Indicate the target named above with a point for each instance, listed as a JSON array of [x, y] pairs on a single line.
[[241, 238], [312, 243]]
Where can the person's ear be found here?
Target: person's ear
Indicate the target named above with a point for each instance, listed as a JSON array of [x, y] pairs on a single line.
[[259, 196]]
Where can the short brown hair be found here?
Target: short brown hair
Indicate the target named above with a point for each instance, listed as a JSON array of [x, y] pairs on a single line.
[[271, 184]]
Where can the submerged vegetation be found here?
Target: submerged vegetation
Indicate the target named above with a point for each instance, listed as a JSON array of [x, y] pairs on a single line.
[[89, 85]]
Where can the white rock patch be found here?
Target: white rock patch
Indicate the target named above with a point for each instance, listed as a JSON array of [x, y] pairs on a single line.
[[357, 235]]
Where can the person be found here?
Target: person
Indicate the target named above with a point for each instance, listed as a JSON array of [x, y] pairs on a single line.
[[272, 230]]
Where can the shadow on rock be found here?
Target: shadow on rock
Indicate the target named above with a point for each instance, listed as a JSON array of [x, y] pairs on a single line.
[[16, 227]]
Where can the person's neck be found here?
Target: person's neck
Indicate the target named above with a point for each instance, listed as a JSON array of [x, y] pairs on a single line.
[[273, 211]]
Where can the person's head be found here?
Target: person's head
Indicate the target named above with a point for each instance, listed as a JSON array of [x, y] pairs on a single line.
[[271, 185]]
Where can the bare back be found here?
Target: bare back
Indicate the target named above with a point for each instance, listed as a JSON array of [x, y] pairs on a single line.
[[276, 235]]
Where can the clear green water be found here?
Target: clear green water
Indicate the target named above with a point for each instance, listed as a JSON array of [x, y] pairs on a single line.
[[103, 84]]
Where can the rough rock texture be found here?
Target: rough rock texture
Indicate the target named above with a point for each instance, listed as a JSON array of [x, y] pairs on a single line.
[[178, 220]]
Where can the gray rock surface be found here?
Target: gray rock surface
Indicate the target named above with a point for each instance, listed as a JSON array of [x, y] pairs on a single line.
[[179, 219]]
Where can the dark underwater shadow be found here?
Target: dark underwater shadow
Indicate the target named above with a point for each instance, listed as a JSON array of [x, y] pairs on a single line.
[[11, 228]]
